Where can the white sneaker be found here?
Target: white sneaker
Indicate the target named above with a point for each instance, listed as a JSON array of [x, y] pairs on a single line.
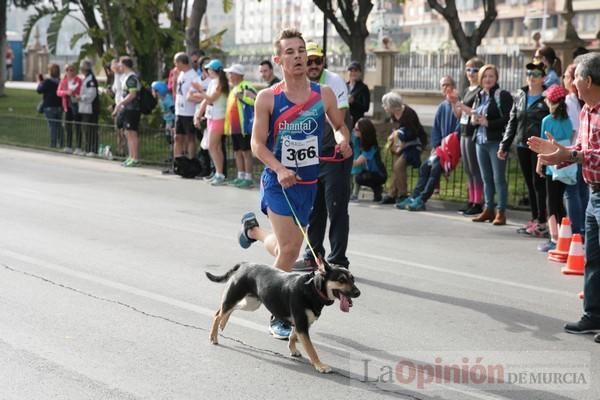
[[68, 150], [91, 154], [78, 152]]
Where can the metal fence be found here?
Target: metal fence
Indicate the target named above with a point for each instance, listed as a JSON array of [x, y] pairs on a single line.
[[155, 150], [423, 71]]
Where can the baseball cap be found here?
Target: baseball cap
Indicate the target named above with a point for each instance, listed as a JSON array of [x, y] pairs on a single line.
[[555, 93], [313, 50], [235, 69], [354, 65], [536, 65], [214, 64]]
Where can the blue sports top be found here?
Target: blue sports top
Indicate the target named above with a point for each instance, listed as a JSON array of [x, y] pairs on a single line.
[[296, 131]]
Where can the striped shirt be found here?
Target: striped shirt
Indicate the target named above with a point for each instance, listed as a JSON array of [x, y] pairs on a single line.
[[588, 142]]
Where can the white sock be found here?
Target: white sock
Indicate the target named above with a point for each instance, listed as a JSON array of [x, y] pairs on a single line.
[[247, 176], [241, 175]]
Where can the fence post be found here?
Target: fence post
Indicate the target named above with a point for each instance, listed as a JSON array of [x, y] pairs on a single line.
[[384, 79]]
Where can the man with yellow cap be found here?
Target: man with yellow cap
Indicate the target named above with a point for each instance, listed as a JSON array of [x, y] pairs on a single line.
[[334, 186]]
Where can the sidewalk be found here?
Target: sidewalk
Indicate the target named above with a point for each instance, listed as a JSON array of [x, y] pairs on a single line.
[[21, 85]]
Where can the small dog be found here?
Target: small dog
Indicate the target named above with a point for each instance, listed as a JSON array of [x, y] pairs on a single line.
[[294, 297]]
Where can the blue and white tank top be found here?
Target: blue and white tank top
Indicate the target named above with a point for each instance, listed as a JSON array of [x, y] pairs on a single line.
[[296, 132]]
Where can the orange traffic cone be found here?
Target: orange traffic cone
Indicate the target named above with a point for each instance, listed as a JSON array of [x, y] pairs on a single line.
[[576, 261], [561, 253]]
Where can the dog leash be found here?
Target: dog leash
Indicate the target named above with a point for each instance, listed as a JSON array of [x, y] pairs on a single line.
[[304, 233]]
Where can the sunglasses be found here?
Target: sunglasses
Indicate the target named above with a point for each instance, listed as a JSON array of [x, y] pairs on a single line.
[[535, 74], [316, 61], [472, 70]]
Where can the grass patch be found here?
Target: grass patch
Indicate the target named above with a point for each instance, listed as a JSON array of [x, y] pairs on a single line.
[[20, 102]]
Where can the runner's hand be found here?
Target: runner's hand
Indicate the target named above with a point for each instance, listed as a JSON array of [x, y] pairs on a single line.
[[345, 149], [286, 177]]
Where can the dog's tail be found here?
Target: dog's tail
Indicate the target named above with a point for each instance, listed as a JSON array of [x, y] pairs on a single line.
[[223, 278]]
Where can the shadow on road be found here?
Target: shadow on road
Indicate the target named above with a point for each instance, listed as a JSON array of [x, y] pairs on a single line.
[[514, 319]]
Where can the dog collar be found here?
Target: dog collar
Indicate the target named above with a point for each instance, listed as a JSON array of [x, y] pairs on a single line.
[[318, 280]]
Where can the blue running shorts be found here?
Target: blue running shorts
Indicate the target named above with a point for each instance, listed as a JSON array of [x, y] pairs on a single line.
[[301, 196]]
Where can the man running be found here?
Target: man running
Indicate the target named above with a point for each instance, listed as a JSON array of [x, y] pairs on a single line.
[[286, 137]]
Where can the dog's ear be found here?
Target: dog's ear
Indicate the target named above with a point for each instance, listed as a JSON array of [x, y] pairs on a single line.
[[324, 268]]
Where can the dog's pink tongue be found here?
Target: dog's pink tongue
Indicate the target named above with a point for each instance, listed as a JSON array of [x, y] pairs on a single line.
[[344, 303]]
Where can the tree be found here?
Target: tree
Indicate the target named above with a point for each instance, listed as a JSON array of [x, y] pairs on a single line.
[[467, 44], [353, 28], [3, 39], [192, 32], [126, 28]]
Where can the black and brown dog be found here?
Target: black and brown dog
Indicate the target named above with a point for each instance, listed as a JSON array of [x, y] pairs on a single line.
[[294, 297]]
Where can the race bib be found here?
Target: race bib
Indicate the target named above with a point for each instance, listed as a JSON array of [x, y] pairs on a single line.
[[300, 153]]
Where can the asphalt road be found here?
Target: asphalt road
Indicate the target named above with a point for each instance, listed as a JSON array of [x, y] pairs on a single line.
[[103, 296]]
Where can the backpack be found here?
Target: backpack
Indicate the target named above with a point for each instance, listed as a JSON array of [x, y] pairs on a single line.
[[147, 100]]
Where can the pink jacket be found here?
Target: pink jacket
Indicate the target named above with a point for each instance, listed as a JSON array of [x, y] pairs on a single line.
[[63, 90]]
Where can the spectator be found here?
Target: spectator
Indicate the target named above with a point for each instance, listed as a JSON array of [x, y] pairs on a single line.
[[52, 104], [405, 142], [116, 91], [443, 158], [167, 107], [587, 152], [359, 97], [525, 121], [334, 184], [89, 108], [559, 126], [185, 107], [576, 195], [467, 144], [547, 56], [445, 121], [238, 123], [213, 108], [9, 57], [128, 110], [196, 61], [68, 90], [372, 171], [266, 73], [489, 115]]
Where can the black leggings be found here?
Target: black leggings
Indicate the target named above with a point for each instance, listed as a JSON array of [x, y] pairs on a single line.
[[536, 185], [72, 120], [556, 205]]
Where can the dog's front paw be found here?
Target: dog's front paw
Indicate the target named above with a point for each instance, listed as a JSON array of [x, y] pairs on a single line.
[[295, 353], [213, 339], [323, 368]]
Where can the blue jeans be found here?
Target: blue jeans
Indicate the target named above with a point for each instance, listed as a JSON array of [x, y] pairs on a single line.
[[591, 289], [493, 172], [54, 118], [577, 197]]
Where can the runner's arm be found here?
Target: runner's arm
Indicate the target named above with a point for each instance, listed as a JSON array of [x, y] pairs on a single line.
[[336, 119]]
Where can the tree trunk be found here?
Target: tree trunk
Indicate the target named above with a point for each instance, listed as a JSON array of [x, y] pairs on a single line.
[[467, 45], [192, 32], [177, 16], [88, 9], [3, 43], [355, 31]]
